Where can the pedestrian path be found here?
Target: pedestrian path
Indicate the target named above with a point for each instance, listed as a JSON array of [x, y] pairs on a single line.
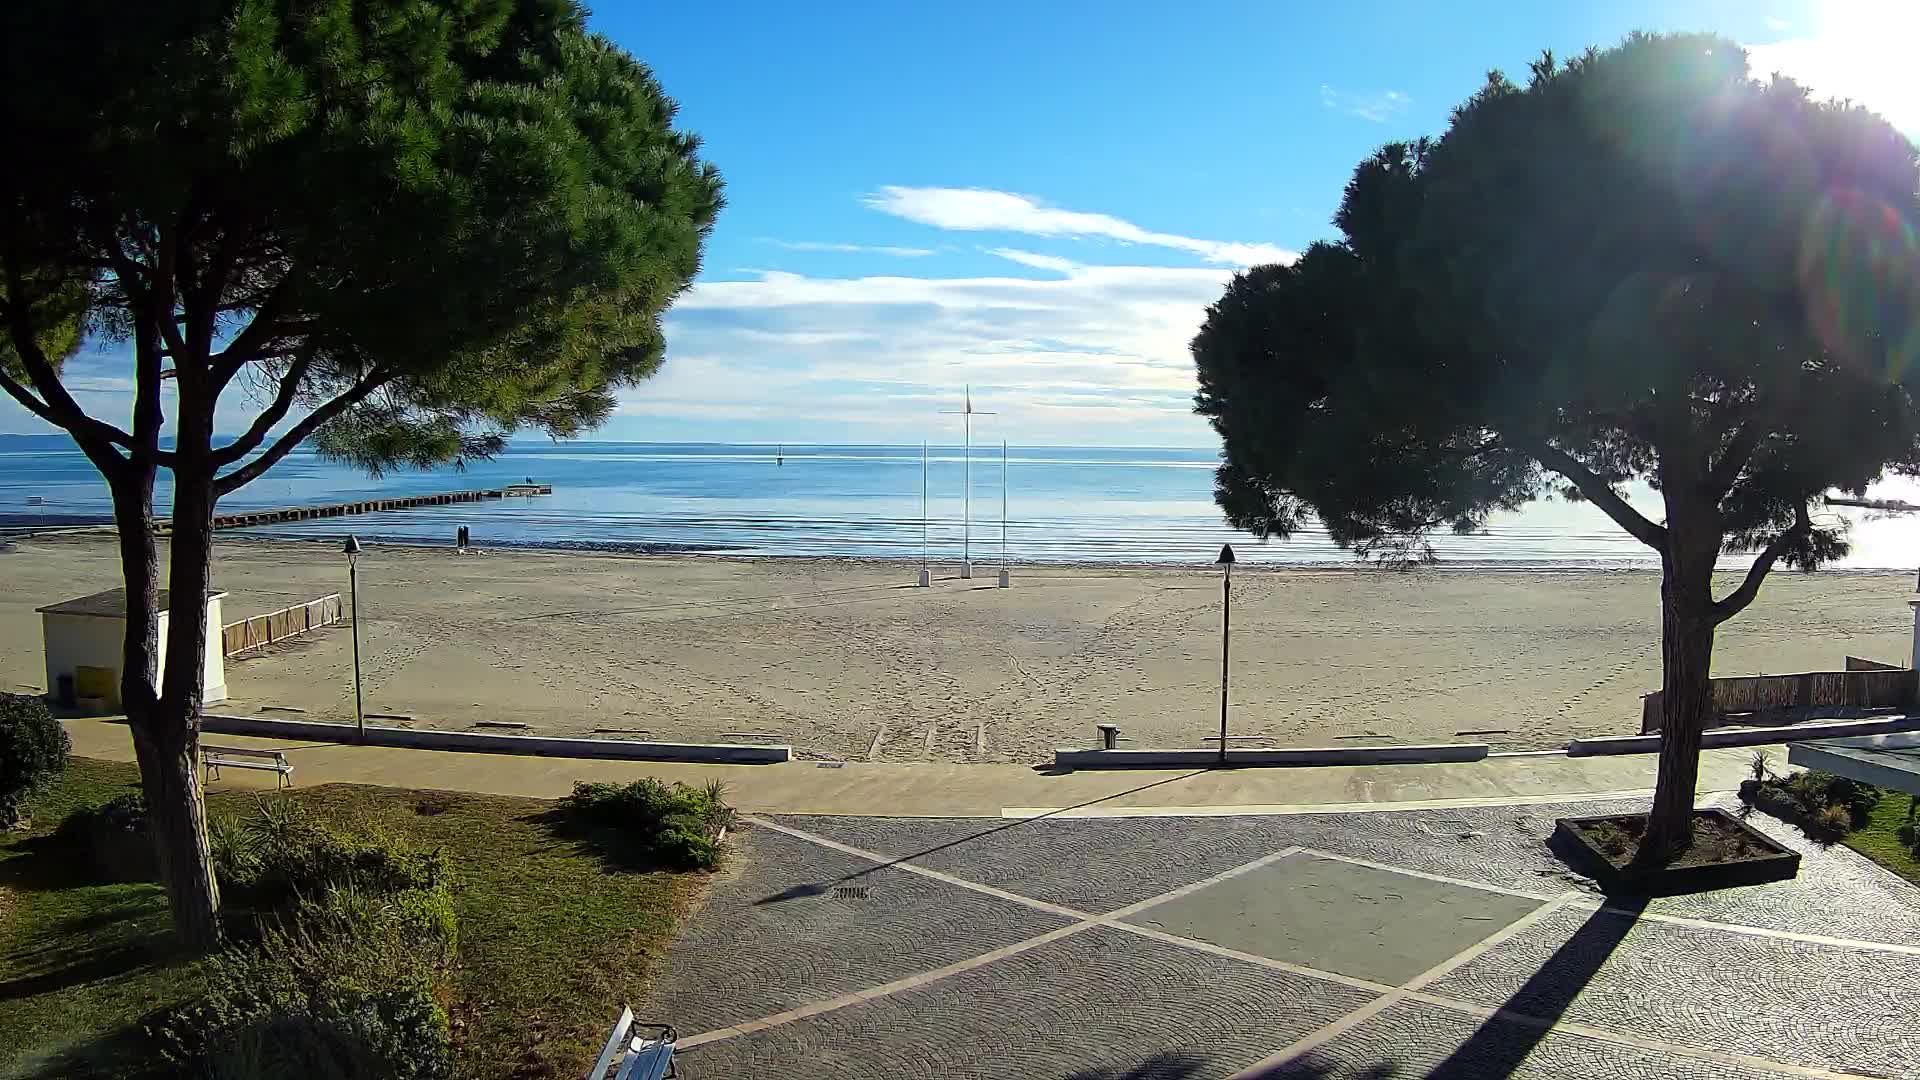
[[1440, 943], [976, 790]]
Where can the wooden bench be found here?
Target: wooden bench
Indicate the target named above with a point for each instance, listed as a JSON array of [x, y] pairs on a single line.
[[216, 758], [628, 1056]]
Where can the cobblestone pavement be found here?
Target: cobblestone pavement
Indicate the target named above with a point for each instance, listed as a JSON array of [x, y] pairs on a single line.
[[1429, 943]]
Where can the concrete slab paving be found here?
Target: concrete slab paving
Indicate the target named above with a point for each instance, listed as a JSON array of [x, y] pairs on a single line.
[[1339, 917], [1414, 1039], [1098, 1003], [1568, 992], [796, 923], [1101, 864], [1796, 1002]]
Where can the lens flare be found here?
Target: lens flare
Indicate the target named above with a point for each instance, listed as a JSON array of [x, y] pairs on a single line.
[[1857, 271]]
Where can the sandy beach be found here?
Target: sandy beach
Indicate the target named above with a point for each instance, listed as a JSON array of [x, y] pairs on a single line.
[[850, 661]]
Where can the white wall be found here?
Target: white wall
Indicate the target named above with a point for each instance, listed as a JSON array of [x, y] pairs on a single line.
[[74, 641]]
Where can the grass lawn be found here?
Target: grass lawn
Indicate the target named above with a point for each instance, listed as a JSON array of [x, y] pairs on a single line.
[[1877, 841], [552, 939]]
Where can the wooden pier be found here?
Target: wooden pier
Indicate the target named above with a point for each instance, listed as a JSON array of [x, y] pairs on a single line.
[[257, 518]]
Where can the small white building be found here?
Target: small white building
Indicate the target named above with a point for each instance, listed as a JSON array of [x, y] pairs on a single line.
[[85, 639]]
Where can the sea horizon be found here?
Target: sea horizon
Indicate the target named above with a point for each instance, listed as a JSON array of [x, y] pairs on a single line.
[[1064, 504]]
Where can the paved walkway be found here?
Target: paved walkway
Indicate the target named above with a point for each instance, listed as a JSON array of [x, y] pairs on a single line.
[[1238, 923], [934, 790], [1433, 943]]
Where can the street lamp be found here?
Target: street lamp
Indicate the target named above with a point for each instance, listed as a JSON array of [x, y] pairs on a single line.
[[352, 548], [1225, 562]]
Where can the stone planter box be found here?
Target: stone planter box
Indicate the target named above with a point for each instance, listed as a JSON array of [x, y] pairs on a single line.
[[1777, 863]]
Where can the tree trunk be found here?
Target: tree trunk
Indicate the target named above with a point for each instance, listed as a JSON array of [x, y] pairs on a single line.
[[165, 741], [1686, 697], [168, 748], [180, 828]]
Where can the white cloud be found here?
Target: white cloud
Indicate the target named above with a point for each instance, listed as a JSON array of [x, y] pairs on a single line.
[[1777, 24], [1376, 106], [1098, 353], [853, 249], [1861, 50], [986, 210], [1038, 262]]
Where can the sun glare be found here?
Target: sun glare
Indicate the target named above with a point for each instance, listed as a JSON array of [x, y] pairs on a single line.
[[1856, 49]]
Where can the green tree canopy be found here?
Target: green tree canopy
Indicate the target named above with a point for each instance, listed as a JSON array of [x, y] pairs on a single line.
[[1643, 265], [399, 228]]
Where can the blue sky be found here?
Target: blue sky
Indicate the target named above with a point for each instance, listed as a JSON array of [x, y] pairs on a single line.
[[1041, 198]]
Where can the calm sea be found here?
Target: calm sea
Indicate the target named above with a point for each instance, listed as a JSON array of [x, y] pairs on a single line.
[[1062, 504]]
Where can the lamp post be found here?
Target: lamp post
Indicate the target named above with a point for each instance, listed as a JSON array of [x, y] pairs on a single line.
[[352, 549], [1225, 562]]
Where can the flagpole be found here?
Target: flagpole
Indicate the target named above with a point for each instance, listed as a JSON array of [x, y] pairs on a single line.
[[966, 534], [926, 574], [966, 522], [1006, 574]]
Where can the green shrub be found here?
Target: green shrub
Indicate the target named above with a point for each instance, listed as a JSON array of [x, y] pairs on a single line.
[[1825, 805], [352, 955], [345, 983], [281, 854], [1611, 839], [299, 1005], [33, 750], [676, 825]]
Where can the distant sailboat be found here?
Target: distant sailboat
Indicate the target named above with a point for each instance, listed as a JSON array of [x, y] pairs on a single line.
[[780, 455]]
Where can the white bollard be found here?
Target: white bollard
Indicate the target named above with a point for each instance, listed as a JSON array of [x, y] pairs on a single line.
[[926, 577], [1006, 579], [966, 570]]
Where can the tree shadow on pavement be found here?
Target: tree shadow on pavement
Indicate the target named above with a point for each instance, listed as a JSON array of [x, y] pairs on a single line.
[[798, 892], [1502, 1042]]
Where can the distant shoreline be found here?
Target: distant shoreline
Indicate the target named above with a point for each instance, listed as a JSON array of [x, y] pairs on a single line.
[[945, 565]]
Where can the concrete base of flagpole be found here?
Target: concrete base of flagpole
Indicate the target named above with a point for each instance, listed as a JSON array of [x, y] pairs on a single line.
[[966, 570], [1006, 579], [926, 577]]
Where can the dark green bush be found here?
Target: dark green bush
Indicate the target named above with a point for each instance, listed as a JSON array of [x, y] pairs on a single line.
[[1825, 805], [674, 825], [1816, 791], [33, 750]]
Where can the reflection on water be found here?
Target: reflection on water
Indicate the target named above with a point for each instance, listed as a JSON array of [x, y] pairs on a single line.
[[1063, 504]]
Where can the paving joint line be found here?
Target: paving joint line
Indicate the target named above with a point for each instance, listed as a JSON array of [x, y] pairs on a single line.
[[874, 993], [1441, 878], [936, 875]]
